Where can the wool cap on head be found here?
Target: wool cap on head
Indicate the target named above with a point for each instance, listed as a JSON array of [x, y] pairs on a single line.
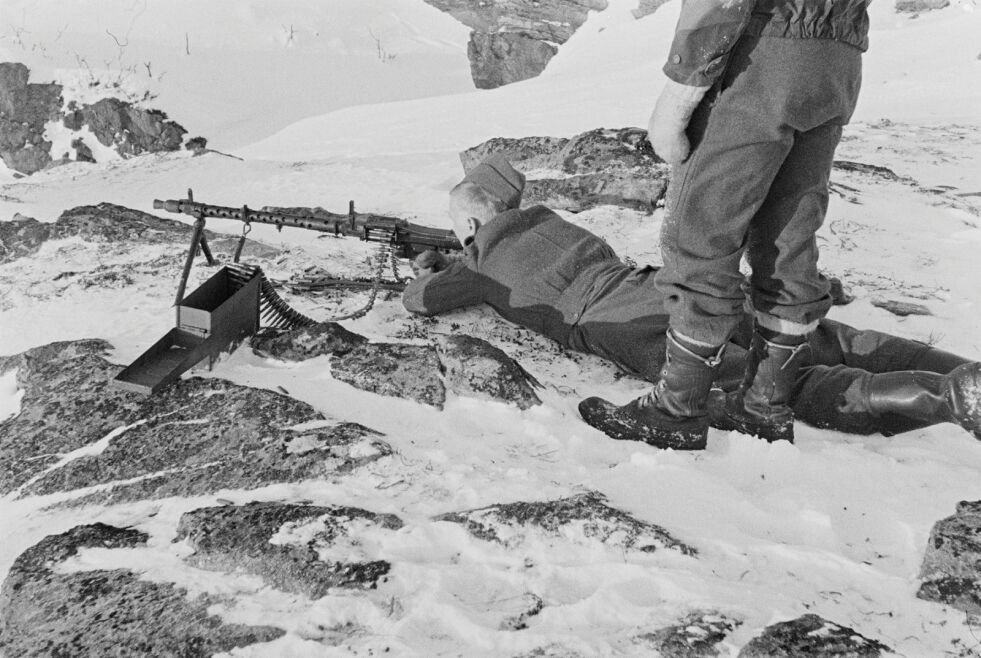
[[496, 175]]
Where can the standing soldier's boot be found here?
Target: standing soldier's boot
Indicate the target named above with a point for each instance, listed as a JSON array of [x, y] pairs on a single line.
[[912, 399], [673, 414], [760, 407]]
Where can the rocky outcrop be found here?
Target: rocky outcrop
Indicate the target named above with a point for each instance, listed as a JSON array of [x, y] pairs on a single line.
[[814, 636], [467, 366], [696, 636], [951, 569], [46, 610], [105, 223], [127, 129], [322, 339], [647, 7], [506, 57], [410, 372], [513, 40], [594, 520], [475, 368], [197, 436], [26, 108], [919, 6], [601, 167], [256, 539]]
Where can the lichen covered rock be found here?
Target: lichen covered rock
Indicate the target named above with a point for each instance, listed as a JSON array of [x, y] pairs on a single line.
[[102, 223], [25, 108], [283, 543], [47, 611], [322, 339], [951, 568], [195, 437], [475, 368], [513, 40], [128, 129], [599, 167], [585, 514], [410, 372], [811, 635], [696, 636]]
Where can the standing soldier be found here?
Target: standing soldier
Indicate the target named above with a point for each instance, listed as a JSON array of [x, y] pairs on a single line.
[[756, 97]]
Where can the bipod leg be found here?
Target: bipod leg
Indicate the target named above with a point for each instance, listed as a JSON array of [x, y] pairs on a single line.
[[196, 237], [206, 250]]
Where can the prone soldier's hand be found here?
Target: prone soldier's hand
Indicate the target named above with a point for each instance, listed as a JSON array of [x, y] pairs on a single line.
[[429, 262]]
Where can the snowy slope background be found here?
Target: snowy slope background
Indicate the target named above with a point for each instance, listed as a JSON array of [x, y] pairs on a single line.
[[307, 95]]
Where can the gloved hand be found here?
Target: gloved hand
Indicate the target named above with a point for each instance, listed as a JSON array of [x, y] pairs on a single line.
[[672, 112], [429, 262]]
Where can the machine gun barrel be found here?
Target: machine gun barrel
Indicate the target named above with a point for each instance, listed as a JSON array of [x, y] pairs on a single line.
[[411, 238]]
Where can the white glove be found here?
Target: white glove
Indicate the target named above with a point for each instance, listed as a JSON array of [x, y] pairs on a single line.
[[672, 112]]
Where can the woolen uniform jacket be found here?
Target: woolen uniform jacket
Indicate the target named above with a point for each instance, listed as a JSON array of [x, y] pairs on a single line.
[[532, 267], [708, 30]]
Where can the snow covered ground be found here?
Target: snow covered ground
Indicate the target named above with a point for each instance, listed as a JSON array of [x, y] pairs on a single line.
[[833, 524]]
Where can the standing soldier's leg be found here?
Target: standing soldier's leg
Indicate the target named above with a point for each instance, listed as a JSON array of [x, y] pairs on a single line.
[[739, 142]]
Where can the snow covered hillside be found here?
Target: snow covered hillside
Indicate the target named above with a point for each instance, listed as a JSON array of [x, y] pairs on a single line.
[[303, 95]]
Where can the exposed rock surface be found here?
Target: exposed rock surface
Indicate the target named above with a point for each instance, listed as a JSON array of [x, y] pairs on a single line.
[[902, 309], [508, 524], [467, 366], [127, 129], [917, 6], [696, 636], [322, 339], [195, 437], [513, 40], [600, 167], [26, 107], [647, 7], [951, 568], [475, 368], [239, 539], [811, 635], [47, 612], [102, 223], [550, 651], [505, 57], [404, 371]]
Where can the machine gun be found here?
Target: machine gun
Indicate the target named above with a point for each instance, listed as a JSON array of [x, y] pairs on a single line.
[[234, 302], [408, 239]]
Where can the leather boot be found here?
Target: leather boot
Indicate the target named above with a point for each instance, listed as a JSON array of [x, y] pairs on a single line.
[[673, 414], [933, 360], [760, 407], [909, 400]]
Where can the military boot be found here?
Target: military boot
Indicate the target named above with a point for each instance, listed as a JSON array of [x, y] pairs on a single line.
[[673, 414], [761, 405], [909, 400]]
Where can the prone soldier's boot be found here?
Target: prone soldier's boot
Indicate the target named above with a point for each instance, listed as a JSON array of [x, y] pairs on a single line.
[[761, 405], [932, 359], [909, 400], [673, 414]]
